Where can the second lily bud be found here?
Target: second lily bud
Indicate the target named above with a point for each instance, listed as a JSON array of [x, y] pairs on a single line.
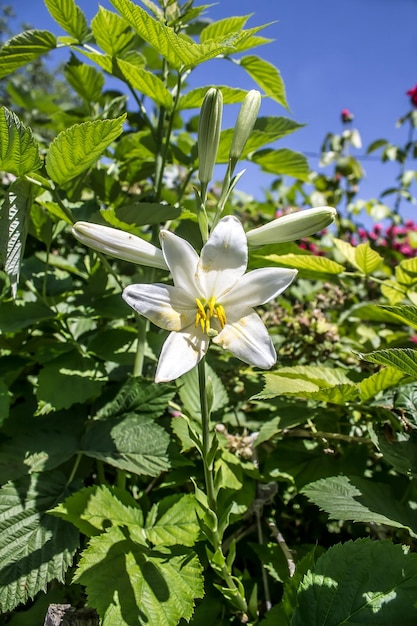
[[209, 127]]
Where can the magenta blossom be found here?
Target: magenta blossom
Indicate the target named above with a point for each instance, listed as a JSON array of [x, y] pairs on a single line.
[[346, 116], [413, 95]]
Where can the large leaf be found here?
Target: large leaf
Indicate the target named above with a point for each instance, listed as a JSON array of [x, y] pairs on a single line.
[[134, 443], [404, 359], [127, 581], [84, 79], [19, 153], [14, 215], [194, 98], [222, 28], [173, 521], [70, 17], [352, 583], [367, 260], [14, 317], [405, 313], [266, 76], [111, 32], [180, 52], [398, 449], [24, 48], [35, 548], [78, 148], [283, 162], [360, 500], [138, 395], [384, 379], [140, 214], [306, 262], [146, 83]]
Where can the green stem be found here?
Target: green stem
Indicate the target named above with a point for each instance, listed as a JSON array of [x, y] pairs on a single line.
[[140, 350]]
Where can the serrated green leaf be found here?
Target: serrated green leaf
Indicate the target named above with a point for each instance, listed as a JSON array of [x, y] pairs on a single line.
[[147, 83], [14, 215], [173, 521], [70, 17], [35, 548], [346, 249], [392, 292], [406, 272], [283, 162], [111, 32], [125, 580], [138, 395], [366, 259], [84, 79], [384, 379], [78, 147], [307, 262], [351, 583], [179, 51], [405, 313], [194, 98], [134, 443], [24, 48], [360, 500], [19, 153], [266, 130], [403, 359], [224, 27], [267, 76], [69, 379], [92, 509]]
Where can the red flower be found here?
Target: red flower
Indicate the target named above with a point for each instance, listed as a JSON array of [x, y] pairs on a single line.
[[413, 95], [346, 116]]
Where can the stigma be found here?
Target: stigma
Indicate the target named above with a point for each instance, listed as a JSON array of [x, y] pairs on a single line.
[[206, 311]]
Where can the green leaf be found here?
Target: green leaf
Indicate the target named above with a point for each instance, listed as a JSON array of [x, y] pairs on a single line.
[[384, 379], [14, 317], [194, 98], [35, 548], [266, 130], [92, 509], [399, 449], [19, 153], [404, 359], [134, 443], [84, 79], [180, 52], [351, 584], [140, 214], [5, 397], [111, 32], [347, 250], [366, 259], [70, 17], [360, 500], [224, 27], [267, 76], [173, 521], [126, 580], [24, 48], [78, 147], [146, 83], [405, 313], [189, 392], [306, 262], [14, 215], [406, 272], [283, 162], [138, 395], [70, 379]]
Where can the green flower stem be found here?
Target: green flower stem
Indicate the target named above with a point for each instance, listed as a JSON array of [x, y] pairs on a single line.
[[143, 326], [209, 481]]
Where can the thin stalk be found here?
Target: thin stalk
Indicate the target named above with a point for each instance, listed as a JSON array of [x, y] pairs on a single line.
[[140, 349]]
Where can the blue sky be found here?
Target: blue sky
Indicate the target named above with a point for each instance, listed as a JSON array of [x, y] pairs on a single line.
[[358, 54]]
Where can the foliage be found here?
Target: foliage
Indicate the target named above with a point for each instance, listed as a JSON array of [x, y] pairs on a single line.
[[105, 495]]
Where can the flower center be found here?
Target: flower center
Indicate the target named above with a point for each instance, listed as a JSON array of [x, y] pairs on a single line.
[[206, 310]]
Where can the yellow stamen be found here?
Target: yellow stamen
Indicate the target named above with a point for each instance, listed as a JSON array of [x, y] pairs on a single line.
[[206, 310]]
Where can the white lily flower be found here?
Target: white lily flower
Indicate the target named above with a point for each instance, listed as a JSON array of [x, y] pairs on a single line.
[[212, 299], [119, 244]]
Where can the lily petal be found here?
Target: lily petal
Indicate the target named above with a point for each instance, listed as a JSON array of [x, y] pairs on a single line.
[[249, 341], [180, 353], [164, 305], [258, 287], [223, 258], [182, 261]]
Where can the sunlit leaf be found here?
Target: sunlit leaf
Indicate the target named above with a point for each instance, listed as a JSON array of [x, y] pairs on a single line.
[[224, 27], [147, 83], [78, 148], [404, 359], [384, 379], [351, 583], [405, 313], [163, 583], [173, 521], [283, 162], [267, 76], [84, 79], [307, 262], [35, 548], [193, 99], [70, 17], [111, 32], [19, 152], [366, 259], [24, 48]]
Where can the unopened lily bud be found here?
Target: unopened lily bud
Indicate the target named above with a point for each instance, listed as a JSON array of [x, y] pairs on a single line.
[[209, 127], [119, 244], [245, 122], [292, 227]]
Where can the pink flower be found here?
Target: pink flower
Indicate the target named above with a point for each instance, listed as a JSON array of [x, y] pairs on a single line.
[[346, 116], [413, 95]]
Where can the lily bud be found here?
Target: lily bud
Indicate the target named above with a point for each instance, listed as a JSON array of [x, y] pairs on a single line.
[[209, 127], [292, 227], [245, 123], [119, 244]]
